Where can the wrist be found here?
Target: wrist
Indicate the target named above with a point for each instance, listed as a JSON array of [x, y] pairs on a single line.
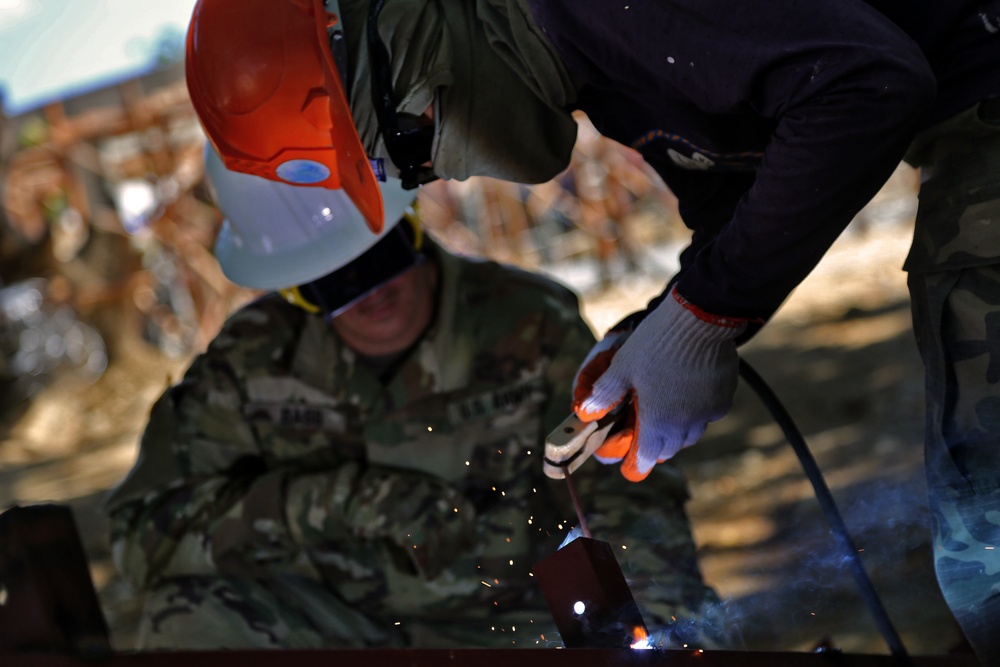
[[711, 318], [690, 332]]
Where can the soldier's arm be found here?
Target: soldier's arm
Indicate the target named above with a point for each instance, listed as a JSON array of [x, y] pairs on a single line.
[[424, 518], [199, 496], [249, 520], [206, 496]]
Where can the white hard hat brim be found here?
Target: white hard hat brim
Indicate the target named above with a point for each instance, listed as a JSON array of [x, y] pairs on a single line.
[[277, 235]]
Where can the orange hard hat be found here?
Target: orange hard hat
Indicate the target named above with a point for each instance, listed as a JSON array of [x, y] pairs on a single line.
[[265, 85]]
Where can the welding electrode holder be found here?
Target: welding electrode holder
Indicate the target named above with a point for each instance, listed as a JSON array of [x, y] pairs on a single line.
[[571, 443]]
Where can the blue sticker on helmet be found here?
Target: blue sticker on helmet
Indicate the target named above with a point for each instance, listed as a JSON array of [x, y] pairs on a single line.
[[303, 172]]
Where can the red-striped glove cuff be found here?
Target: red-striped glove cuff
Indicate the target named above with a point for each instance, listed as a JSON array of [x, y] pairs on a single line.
[[717, 320]]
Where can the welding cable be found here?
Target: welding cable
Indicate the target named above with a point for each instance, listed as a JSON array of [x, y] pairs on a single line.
[[829, 507]]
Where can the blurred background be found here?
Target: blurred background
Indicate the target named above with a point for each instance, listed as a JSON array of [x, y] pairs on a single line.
[[108, 288]]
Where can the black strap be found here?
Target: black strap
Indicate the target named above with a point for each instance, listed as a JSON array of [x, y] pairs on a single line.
[[338, 45]]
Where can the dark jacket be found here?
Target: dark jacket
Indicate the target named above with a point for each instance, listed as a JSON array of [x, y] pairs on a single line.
[[774, 122]]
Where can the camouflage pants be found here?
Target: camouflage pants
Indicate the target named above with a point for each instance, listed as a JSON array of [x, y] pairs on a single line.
[[954, 285]]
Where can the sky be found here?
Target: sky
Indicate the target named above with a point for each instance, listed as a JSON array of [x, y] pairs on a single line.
[[51, 47]]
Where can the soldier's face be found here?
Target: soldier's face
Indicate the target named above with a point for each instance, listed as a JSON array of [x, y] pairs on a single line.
[[393, 317]]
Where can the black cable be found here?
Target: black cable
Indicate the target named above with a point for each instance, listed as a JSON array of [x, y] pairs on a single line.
[[829, 507]]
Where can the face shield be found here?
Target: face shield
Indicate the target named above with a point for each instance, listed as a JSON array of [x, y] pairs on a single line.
[[400, 250]]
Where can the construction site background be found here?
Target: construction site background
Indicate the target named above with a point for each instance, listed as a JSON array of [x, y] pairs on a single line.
[[108, 287]]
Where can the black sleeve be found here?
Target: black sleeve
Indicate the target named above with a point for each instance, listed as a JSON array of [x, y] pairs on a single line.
[[839, 87]]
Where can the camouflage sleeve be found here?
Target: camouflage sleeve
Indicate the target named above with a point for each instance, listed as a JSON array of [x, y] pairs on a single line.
[[425, 518], [205, 495], [202, 496], [250, 524]]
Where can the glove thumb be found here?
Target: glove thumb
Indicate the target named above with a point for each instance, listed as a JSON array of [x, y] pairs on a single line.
[[608, 392]]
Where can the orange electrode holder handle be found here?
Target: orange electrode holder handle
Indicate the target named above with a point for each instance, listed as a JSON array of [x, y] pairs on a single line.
[[264, 83]]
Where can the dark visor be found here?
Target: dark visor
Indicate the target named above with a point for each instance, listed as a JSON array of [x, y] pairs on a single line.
[[331, 295]]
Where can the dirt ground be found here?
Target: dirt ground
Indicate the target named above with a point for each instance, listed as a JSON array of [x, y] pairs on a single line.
[[839, 355]]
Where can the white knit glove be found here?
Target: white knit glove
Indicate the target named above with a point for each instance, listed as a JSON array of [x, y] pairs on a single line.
[[681, 367]]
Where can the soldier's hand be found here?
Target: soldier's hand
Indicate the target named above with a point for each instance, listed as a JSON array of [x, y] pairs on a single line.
[[681, 367]]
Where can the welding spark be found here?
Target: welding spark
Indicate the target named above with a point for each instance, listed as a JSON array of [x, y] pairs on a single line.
[[640, 638]]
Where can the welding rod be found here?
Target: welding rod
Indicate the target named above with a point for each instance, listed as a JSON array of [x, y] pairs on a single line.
[[576, 501]]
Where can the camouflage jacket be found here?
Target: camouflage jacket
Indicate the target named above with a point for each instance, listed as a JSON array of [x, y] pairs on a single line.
[[280, 451]]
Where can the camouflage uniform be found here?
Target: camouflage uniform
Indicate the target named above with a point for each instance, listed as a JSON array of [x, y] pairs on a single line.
[[954, 280], [287, 496]]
